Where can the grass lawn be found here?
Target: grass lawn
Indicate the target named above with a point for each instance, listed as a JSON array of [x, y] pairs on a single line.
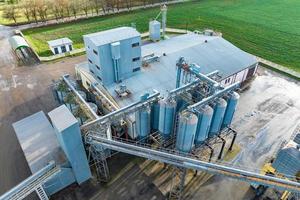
[[266, 28]]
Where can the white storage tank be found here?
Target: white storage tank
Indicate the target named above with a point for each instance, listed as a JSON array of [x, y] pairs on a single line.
[[154, 30]]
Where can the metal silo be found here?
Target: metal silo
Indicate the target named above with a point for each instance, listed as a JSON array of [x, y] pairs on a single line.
[[219, 112], [186, 131], [154, 116], [142, 118], [231, 107], [204, 121], [154, 30], [166, 117]]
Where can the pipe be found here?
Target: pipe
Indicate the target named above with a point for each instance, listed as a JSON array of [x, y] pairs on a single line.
[[178, 77], [65, 78], [197, 164], [195, 82], [116, 70], [116, 112], [94, 86], [214, 96], [200, 75]]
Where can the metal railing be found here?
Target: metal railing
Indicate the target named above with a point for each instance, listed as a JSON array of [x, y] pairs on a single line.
[[174, 157]]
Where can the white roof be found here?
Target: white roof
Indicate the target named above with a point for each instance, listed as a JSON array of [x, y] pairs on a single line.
[[112, 35], [38, 141], [59, 42], [62, 118], [17, 41]]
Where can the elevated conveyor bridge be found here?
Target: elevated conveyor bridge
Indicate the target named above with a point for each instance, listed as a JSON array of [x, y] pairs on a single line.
[[189, 161]]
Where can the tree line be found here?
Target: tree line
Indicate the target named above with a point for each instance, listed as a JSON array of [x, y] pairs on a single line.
[[43, 10]]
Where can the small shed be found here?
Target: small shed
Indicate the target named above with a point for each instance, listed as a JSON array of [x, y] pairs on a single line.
[[18, 42], [61, 45]]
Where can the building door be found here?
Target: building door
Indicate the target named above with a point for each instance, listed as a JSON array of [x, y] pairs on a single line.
[[63, 49], [56, 50], [250, 72], [70, 48]]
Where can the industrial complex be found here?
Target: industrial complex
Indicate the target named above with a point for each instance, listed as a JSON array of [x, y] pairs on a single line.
[[170, 98]]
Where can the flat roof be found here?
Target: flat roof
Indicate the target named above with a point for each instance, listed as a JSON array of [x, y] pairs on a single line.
[[38, 141], [62, 118], [209, 52], [112, 35], [59, 42], [215, 54]]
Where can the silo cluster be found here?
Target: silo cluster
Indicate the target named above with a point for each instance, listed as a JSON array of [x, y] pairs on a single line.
[[192, 128]]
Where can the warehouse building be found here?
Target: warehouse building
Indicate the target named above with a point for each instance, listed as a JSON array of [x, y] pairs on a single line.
[[144, 67]]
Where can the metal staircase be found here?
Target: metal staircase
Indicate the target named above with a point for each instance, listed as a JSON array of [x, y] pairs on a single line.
[[32, 183]]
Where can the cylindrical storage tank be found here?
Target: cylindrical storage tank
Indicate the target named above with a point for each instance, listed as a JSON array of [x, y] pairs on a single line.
[[142, 118], [231, 107], [154, 30], [83, 94], [204, 121], [93, 106], [219, 112], [186, 131], [154, 116], [167, 110]]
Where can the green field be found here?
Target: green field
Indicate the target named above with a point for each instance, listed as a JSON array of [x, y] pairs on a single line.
[[266, 28]]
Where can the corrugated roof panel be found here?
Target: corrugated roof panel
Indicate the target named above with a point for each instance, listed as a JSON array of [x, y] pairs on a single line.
[[288, 162]]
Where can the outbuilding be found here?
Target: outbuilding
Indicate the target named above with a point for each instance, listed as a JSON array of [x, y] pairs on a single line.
[[61, 45]]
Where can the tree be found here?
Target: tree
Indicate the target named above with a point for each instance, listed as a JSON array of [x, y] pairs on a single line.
[[96, 5], [26, 4], [41, 8], [74, 7], [85, 6], [11, 13], [33, 11]]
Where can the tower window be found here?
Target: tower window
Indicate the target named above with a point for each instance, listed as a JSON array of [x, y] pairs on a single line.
[[99, 78], [90, 61], [97, 67], [136, 59], [136, 44], [136, 69], [95, 52]]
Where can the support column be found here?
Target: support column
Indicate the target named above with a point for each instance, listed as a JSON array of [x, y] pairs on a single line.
[[176, 191]]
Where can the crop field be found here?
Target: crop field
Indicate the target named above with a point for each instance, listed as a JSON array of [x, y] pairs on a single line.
[[266, 28]]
